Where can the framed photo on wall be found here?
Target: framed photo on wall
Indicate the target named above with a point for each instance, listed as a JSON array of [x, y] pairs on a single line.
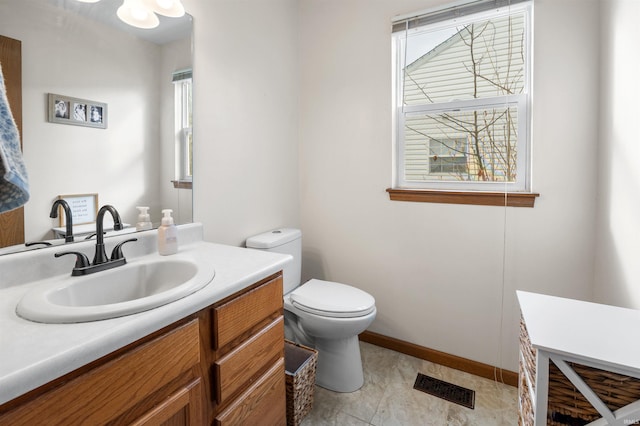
[[79, 112]]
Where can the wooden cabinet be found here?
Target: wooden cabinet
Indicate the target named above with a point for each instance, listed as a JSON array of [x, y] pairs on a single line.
[[182, 407], [126, 388], [223, 365], [238, 316], [261, 404], [248, 360], [247, 340]]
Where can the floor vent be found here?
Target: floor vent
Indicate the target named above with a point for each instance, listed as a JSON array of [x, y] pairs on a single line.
[[445, 390]]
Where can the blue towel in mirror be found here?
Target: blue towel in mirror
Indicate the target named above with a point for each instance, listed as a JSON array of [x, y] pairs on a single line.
[[14, 182]]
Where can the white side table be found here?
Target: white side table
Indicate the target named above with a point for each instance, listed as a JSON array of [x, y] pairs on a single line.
[[582, 339]]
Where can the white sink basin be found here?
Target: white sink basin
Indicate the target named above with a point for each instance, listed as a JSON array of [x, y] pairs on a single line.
[[140, 285]]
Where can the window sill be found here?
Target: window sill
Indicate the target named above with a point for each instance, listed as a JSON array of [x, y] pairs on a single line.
[[182, 184], [510, 199]]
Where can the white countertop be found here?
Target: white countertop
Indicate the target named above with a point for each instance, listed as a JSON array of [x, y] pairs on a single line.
[[32, 354], [583, 331]]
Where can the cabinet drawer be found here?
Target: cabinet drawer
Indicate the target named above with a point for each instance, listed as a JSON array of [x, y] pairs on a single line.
[[237, 368], [109, 390], [183, 407], [236, 317], [262, 404]]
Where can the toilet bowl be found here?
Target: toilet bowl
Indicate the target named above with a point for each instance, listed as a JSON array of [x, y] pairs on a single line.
[[322, 314], [331, 324]]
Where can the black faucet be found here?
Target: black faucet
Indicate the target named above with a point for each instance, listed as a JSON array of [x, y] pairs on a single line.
[[100, 260], [83, 267], [101, 254], [68, 237]]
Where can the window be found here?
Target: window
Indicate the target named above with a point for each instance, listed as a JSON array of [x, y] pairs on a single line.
[[182, 81], [448, 156], [461, 101]]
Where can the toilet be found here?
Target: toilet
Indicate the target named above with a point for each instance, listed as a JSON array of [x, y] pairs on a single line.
[[325, 315]]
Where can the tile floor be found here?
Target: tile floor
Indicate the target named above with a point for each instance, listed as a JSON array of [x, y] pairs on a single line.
[[388, 398]]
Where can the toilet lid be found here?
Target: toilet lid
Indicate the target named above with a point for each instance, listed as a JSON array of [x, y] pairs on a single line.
[[331, 299]]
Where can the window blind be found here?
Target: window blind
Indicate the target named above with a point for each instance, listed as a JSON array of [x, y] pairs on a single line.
[[182, 75], [452, 11]]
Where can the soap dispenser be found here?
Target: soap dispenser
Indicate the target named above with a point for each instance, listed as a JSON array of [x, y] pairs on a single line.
[[144, 220], [167, 234]]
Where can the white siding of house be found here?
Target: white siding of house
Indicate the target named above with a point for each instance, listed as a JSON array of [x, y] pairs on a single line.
[[445, 74]]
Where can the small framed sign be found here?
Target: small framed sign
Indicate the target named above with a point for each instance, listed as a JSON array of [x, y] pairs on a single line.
[[79, 112], [84, 208]]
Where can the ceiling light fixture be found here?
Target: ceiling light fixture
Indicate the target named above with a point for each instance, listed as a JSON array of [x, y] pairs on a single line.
[[142, 13], [138, 14], [170, 8]]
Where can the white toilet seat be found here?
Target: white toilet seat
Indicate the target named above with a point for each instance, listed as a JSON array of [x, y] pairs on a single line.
[[331, 299]]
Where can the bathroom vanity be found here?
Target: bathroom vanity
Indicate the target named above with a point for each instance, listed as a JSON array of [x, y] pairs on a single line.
[[214, 357], [579, 363]]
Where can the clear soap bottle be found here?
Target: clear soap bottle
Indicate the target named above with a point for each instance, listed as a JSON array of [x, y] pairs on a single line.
[[167, 234], [144, 220]]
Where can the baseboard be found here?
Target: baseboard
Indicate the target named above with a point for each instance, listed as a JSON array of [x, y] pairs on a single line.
[[452, 361]]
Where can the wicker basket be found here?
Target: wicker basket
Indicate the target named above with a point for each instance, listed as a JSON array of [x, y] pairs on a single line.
[[567, 406], [525, 411], [528, 352], [300, 364]]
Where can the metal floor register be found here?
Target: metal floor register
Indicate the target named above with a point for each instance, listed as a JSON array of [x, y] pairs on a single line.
[[445, 390]]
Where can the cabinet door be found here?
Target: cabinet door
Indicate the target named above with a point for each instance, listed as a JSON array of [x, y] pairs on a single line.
[[114, 388], [183, 408], [262, 404]]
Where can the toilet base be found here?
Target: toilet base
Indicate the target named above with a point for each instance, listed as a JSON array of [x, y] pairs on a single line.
[[339, 364]]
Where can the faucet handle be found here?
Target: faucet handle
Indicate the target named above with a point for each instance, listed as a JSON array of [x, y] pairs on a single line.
[[90, 236], [82, 261], [35, 243], [116, 254]]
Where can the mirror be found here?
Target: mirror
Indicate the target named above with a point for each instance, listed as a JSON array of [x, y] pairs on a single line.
[[82, 50]]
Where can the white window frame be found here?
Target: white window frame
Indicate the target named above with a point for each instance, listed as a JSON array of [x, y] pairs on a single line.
[[520, 101], [183, 131]]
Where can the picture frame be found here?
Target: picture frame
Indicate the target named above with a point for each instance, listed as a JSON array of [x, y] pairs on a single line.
[[84, 208], [75, 111]]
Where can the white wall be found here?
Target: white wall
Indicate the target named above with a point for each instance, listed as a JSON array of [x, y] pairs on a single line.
[[618, 243], [78, 58], [245, 117], [285, 81], [436, 270]]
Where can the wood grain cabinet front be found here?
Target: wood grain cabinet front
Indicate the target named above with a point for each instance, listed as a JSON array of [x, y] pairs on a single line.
[[248, 357], [261, 404], [245, 362], [237, 317], [128, 387], [181, 408]]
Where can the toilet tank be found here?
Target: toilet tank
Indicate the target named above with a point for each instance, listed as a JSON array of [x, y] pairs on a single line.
[[287, 241]]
